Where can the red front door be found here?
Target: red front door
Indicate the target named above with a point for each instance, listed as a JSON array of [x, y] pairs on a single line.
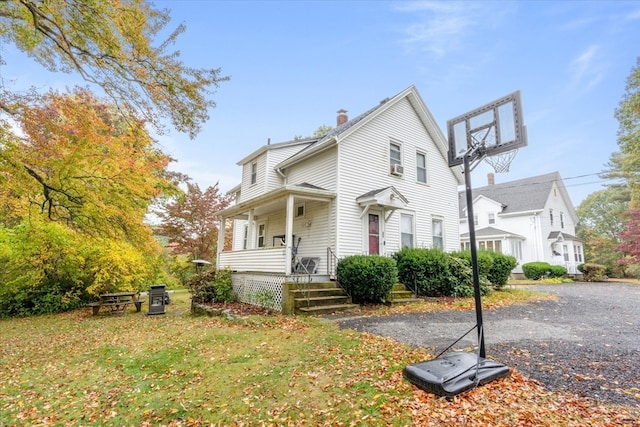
[[374, 234]]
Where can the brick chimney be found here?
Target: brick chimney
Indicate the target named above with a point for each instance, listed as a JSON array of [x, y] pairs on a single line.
[[342, 117], [491, 178]]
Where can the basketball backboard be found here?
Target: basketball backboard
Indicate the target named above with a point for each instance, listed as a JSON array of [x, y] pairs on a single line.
[[492, 129]]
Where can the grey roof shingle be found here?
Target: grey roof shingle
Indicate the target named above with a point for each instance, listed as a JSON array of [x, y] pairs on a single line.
[[522, 195]]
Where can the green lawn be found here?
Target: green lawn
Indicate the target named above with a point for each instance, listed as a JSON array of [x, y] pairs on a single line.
[[179, 370]]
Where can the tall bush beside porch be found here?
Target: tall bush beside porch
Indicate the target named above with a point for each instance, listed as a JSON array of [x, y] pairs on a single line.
[[367, 278], [425, 271]]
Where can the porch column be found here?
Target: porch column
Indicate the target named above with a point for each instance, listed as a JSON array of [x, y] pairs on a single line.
[[221, 233], [289, 233], [250, 238]]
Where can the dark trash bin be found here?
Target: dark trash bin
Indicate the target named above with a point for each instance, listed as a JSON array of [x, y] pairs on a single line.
[[157, 299]]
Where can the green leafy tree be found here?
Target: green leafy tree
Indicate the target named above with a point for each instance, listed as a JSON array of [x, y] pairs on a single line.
[[603, 215], [112, 44], [626, 163]]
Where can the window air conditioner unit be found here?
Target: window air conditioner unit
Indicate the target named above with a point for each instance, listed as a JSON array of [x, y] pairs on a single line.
[[397, 170]]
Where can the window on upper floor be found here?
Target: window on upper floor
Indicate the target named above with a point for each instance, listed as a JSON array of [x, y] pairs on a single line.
[[395, 159], [395, 154], [421, 167], [492, 218], [551, 216], [406, 230], [561, 220], [475, 219], [254, 172]]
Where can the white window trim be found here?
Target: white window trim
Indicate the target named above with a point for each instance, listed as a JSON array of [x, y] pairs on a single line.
[[399, 144], [264, 236], [441, 219], [413, 228], [295, 210], [426, 169], [253, 175]]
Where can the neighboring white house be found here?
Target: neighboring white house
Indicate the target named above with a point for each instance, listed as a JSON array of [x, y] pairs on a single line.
[[531, 219], [372, 185]]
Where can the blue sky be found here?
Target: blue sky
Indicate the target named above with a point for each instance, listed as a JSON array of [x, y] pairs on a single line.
[[293, 64]]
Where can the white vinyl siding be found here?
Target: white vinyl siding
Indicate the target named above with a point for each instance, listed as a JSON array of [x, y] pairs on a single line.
[[398, 123]]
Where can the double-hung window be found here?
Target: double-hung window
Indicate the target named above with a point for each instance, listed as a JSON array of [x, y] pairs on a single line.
[[492, 217], [421, 167], [406, 230], [395, 154], [437, 231], [254, 173]]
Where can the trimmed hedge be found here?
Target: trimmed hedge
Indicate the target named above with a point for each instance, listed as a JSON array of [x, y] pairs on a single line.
[[501, 269], [426, 271], [367, 278], [539, 270], [493, 267], [535, 270]]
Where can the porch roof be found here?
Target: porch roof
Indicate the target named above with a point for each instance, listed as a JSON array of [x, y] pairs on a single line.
[[303, 190], [491, 232]]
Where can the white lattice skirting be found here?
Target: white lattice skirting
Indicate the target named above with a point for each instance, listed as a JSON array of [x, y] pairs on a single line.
[[259, 289]]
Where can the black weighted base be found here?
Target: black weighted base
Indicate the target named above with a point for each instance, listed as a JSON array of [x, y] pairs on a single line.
[[454, 373]]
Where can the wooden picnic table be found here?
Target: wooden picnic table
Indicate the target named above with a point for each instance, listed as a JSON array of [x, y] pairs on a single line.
[[117, 302]]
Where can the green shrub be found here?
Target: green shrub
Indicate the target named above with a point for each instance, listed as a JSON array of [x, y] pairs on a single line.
[[536, 270], [211, 286], [460, 278], [426, 271], [594, 272], [557, 271], [500, 270], [367, 278]]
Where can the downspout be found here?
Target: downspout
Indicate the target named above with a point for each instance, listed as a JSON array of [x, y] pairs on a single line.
[[282, 174]]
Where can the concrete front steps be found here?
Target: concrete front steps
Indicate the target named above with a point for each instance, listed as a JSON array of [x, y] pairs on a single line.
[[327, 297], [316, 298], [400, 295]]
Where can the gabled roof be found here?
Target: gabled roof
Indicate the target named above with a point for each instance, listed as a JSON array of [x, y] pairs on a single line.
[[269, 146], [561, 235], [522, 195], [342, 131]]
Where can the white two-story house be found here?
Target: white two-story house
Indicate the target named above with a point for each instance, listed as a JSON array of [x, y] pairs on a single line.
[[372, 185], [531, 219]]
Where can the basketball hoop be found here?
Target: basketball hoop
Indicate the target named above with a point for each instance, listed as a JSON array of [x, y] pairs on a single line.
[[501, 162]]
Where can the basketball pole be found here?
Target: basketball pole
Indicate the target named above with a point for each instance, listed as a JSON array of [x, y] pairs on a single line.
[[474, 252]]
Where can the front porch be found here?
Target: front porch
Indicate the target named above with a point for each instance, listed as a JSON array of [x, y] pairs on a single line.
[[286, 231]]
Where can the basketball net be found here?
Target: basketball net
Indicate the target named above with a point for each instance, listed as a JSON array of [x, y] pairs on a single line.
[[501, 162]]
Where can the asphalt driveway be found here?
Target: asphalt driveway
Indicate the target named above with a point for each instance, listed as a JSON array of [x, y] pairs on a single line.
[[586, 342]]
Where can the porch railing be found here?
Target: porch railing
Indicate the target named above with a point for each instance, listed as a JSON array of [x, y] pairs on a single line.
[[267, 260], [332, 264]]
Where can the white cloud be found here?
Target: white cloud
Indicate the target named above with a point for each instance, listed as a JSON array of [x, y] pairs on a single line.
[[442, 25], [587, 70]]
